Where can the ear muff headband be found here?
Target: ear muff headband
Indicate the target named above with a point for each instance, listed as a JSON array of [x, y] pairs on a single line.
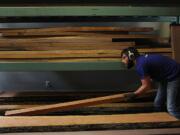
[[130, 55]]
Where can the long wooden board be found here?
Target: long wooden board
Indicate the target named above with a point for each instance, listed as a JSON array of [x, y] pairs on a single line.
[[73, 53], [33, 121], [89, 37], [59, 60], [104, 109], [61, 33], [47, 46], [67, 105], [110, 105], [96, 42], [57, 30]]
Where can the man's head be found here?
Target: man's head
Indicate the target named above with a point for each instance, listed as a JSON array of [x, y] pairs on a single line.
[[129, 56]]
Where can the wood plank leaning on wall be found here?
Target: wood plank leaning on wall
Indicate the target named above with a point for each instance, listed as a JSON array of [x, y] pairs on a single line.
[[175, 41]]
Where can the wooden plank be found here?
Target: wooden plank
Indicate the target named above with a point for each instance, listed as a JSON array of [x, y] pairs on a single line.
[[71, 59], [57, 97], [85, 38], [81, 29], [67, 105], [72, 53], [175, 41], [64, 46], [20, 121], [104, 109], [110, 105], [70, 40], [96, 42], [57, 46], [59, 30]]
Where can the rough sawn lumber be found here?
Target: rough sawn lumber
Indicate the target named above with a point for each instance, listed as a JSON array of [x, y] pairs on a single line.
[[66, 106]]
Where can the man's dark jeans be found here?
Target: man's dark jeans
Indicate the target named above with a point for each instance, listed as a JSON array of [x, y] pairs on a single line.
[[169, 94]]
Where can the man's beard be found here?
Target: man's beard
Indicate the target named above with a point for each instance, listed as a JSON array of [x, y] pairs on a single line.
[[130, 64]]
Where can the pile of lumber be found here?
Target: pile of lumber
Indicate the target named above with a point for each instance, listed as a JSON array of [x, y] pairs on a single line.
[[64, 43], [109, 116]]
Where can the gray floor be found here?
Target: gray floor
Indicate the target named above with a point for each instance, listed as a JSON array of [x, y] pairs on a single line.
[[170, 131]]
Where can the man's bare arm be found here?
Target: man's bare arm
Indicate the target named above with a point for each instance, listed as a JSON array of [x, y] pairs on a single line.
[[146, 85]]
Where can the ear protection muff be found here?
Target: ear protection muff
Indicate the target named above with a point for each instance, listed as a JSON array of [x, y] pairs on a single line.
[[131, 55]]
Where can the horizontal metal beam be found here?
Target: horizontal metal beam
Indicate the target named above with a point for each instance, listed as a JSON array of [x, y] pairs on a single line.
[[88, 11], [92, 2], [61, 66], [92, 19]]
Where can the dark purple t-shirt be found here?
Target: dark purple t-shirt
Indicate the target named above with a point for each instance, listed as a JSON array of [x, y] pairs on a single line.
[[158, 67]]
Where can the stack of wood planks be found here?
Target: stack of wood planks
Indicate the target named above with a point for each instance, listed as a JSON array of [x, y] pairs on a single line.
[[78, 43], [110, 116]]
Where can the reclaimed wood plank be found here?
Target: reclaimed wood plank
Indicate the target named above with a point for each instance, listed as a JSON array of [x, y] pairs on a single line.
[[73, 53], [71, 59], [47, 46], [57, 30], [86, 36], [110, 105], [104, 109], [20, 121], [58, 97], [67, 105], [74, 40], [79, 103]]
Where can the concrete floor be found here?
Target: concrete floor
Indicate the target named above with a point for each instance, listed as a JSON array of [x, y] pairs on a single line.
[[172, 131]]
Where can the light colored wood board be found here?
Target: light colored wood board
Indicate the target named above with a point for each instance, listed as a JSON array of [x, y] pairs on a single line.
[[12, 107], [73, 53], [72, 105], [70, 59], [20, 121], [67, 105], [92, 102], [110, 105], [95, 38], [89, 36], [175, 42], [82, 38], [66, 39], [85, 38]]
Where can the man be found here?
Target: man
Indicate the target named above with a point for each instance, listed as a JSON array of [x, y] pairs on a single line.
[[161, 69]]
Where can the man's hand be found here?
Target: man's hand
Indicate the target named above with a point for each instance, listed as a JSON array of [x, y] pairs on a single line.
[[129, 96]]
